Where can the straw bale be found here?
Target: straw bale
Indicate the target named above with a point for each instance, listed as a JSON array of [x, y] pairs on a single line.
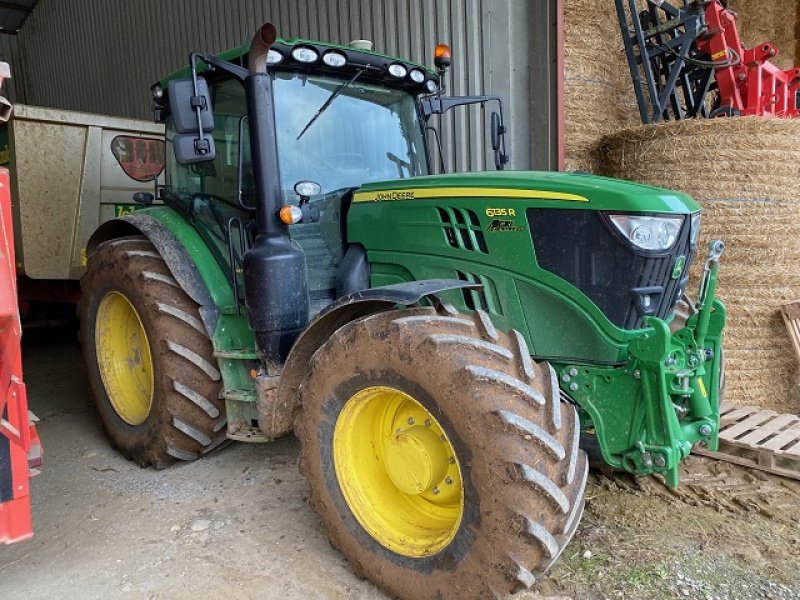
[[745, 172], [774, 21], [598, 93], [599, 98]]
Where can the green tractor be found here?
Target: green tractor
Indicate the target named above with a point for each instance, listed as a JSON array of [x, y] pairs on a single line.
[[440, 344]]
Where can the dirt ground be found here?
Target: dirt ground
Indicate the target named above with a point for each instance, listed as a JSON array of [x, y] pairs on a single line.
[[237, 524]]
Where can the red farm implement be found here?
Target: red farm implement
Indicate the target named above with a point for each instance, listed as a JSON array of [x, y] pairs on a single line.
[[688, 61], [19, 445]]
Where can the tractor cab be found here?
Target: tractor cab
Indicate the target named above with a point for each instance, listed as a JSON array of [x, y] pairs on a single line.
[[344, 117]]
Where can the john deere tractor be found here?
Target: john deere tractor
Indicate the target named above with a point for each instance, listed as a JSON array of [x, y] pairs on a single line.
[[438, 343]]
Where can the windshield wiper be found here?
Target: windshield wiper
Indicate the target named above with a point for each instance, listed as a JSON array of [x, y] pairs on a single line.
[[330, 100]]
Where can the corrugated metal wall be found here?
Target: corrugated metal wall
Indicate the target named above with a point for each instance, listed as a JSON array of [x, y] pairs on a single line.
[[103, 55]]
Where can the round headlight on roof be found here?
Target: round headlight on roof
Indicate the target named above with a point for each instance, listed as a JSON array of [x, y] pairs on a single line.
[[274, 57], [417, 76], [158, 91], [332, 58], [430, 85], [397, 70], [304, 54]]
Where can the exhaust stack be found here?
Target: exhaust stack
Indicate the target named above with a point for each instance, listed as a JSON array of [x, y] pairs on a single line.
[[276, 286], [259, 48]]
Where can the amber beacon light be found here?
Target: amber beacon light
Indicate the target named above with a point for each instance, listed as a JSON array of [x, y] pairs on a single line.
[[442, 56]]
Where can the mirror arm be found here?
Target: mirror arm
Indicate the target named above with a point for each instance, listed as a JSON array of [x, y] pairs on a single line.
[[504, 158], [438, 145], [198, 103], [437, 106], [212, 61], [202, 145]]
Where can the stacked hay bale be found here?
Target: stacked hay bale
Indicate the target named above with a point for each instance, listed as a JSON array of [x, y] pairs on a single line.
[[597, 83], [744, 172], [773, 21]]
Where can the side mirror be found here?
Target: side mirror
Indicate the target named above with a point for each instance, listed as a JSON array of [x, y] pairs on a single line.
[[193, 118], [498, 132]]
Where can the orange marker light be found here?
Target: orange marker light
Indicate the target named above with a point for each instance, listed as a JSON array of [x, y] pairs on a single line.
[[290, 214]]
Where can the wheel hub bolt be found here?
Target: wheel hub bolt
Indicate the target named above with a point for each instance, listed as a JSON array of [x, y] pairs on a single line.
[[448, 480], [436, 490], [427, 422], [452, 460], [410, 420], [704, 430]]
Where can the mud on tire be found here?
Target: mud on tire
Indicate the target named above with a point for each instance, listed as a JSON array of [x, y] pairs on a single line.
[[523, 471], [187, 416]]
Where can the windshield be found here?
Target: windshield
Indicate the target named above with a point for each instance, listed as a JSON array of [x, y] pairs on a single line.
[[368, 133]]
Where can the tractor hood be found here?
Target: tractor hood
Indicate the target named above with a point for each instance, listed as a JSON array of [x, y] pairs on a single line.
[[563, 190]]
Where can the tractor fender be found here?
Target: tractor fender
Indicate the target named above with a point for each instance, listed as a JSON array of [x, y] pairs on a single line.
[[175, 255], [347, 309]]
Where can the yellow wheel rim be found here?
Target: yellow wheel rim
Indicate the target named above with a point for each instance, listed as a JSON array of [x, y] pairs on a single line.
[[398, 471], [123, 356]]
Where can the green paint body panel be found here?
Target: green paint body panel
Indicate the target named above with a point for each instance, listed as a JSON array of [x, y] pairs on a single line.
[[408, 235]]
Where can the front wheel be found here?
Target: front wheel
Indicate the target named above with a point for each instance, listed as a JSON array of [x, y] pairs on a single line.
[[149, 359], [439, 455]]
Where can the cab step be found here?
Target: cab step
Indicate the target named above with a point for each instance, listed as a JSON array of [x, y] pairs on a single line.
[[762, 439]]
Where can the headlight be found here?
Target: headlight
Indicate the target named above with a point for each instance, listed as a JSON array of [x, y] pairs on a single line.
[[695, 229], [334, 59], [274, 57], [649, 233], [304, 54], [430, 85], [397, 70], [417, 76]]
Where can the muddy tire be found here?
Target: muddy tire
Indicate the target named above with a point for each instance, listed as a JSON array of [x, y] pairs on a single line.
[[521, 472], [165, 406]]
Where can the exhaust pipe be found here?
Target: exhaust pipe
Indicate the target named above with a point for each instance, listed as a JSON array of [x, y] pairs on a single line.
[[259, 48], [276, 286]]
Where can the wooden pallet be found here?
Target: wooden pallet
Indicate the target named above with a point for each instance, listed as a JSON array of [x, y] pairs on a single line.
[[791, 316], [758, 438]]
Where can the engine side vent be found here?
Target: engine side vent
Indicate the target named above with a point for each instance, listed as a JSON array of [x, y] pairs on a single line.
[[462, 229], [485, 299]]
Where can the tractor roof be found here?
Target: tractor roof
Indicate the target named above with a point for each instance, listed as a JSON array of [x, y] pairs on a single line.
[[239, 54]]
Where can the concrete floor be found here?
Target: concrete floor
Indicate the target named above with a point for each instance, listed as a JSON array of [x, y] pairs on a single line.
[[234, 525]]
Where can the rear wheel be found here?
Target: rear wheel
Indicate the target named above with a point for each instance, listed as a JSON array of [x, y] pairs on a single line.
[[149, 359], [439, 456]]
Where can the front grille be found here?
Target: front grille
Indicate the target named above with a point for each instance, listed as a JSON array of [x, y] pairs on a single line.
[[581, 247]]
